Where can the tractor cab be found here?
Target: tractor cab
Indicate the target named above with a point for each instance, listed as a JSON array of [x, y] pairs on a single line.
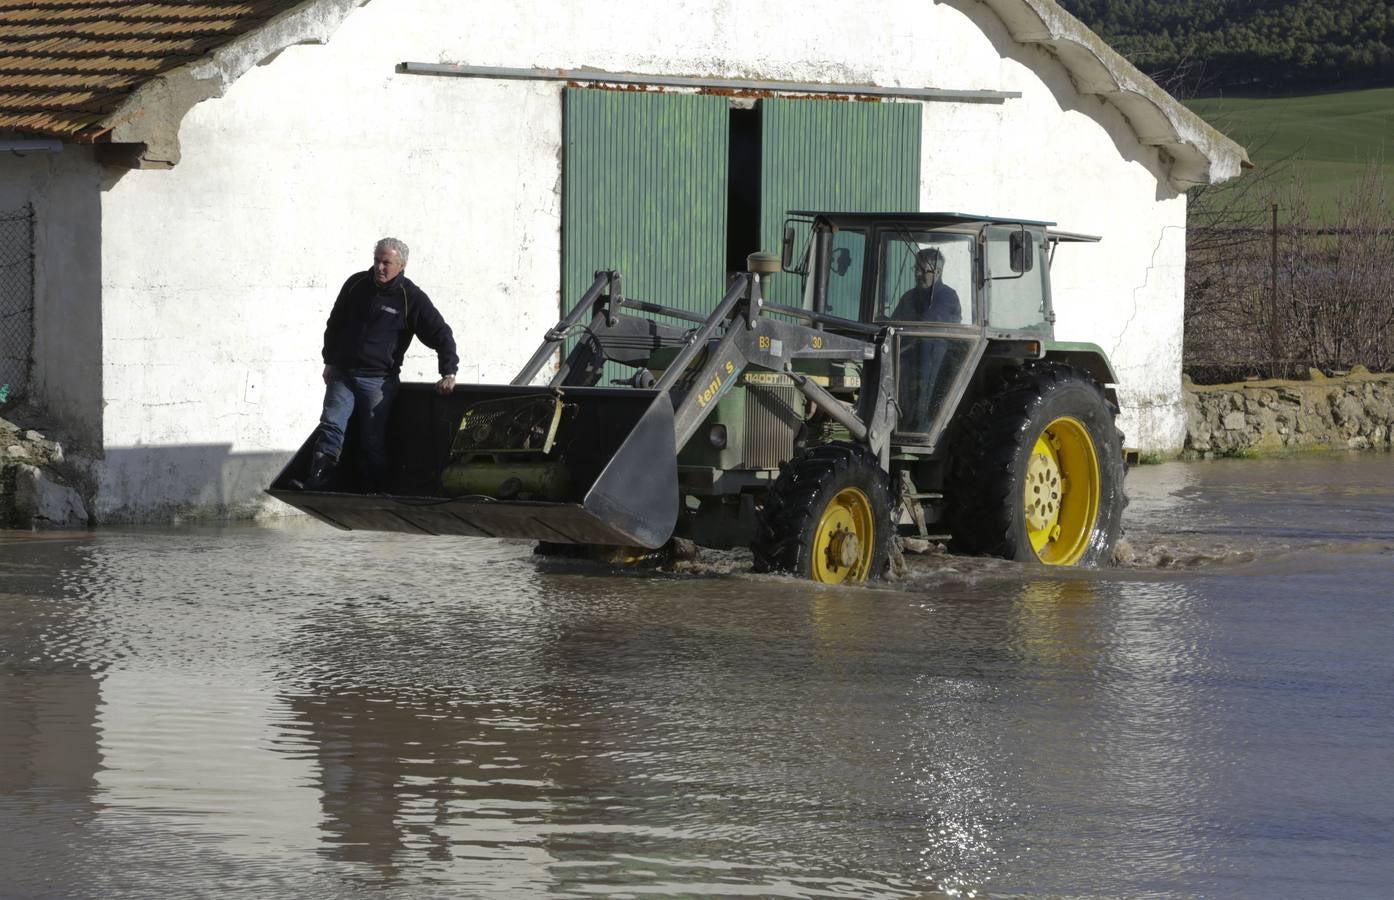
[[950, 286]]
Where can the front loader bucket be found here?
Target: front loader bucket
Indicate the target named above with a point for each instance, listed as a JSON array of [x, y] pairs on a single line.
[[579, 466]]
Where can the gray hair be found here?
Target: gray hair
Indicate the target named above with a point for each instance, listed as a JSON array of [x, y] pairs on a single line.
[[394, 246], [928, 256]]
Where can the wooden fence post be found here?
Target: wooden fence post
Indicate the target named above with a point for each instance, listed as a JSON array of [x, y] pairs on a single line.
[[1274, 332]]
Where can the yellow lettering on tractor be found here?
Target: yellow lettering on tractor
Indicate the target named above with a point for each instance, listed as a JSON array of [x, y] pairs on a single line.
[[764, 342], [817, 342], [710, 391]]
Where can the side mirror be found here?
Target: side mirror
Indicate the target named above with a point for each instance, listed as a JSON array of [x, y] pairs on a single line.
[[786, 253], [1022, 251]]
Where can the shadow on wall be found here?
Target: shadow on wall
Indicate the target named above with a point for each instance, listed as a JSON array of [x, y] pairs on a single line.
[[1056, 78], [186, 481]]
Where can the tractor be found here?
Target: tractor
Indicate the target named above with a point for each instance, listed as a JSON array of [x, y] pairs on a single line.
[[912, 385]]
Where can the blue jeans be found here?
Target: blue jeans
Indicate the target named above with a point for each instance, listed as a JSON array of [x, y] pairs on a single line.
[[367, 399]]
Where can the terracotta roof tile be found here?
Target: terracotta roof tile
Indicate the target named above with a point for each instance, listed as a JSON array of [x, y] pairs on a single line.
[[97, 65], [64, 124], [65, 64], [48, 83]]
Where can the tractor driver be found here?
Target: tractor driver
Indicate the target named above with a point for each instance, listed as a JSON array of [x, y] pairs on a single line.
[[921, 358], [930, 300], [375, 317]]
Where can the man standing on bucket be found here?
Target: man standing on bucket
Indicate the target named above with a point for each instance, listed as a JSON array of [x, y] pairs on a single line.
[[374, 319]]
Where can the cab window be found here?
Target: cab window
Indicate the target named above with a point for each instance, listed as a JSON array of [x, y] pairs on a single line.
[[845, 274], [926, 277], [1017, 287]]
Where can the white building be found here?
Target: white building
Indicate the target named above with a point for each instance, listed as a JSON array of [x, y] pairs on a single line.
[[201, 182]]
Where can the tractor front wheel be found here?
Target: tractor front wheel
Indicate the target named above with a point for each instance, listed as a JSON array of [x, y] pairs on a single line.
[[827, 517], [1038, 472]]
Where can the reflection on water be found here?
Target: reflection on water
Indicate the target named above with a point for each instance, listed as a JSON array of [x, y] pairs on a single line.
[[295, 711]]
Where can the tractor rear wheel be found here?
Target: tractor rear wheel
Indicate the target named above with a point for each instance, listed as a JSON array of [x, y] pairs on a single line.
[[1038, 471], [827, 517]]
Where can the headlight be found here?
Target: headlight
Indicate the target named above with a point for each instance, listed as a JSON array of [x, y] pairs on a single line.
[[716, 436]]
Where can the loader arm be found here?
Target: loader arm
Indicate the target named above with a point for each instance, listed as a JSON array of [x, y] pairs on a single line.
[[740, 333], [762, 342]]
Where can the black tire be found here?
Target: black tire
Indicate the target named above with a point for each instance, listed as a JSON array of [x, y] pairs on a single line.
[[822, 498], [1046, 432]]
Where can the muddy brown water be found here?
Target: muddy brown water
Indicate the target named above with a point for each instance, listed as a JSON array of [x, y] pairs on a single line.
[[288, 710]]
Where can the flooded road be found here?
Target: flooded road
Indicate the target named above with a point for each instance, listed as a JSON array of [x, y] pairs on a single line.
[[288, 710]]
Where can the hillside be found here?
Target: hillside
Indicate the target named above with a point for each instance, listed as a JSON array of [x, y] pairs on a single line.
[[1209, 47], [1328, 139]]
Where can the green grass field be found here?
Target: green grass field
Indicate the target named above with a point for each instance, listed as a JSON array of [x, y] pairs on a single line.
[[1328, 138]]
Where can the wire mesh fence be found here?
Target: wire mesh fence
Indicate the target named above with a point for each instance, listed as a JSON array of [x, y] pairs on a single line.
[[16, 301], [1276, 287], [1276, 302]]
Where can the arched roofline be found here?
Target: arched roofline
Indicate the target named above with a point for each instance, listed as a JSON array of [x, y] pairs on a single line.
[[1195, 152]]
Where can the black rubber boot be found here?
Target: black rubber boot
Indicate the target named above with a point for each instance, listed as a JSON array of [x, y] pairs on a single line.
[[321, 473]]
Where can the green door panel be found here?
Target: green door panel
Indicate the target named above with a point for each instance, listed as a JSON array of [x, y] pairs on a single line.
[[644, 192], [834, 156]]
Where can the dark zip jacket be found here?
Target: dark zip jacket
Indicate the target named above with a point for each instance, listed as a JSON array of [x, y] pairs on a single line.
[[370, 327]]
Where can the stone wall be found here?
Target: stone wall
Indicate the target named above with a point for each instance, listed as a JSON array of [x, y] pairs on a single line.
[[1351, 412], [36, 482]]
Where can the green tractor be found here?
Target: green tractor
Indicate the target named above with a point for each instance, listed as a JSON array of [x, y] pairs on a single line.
[[915, 389]]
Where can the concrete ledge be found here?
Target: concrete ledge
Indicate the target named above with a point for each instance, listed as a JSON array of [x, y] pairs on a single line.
[[41, 501]]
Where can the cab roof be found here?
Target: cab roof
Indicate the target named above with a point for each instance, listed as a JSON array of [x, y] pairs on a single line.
[[917, 219], [937, 220]]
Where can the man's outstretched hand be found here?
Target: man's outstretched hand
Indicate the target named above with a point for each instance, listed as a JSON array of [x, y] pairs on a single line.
[[446, 384]]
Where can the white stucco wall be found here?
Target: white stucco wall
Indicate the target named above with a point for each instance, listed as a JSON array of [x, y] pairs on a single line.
[[216, 276]]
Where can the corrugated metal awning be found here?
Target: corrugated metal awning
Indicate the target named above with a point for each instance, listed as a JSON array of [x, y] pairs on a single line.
[[735, 85]]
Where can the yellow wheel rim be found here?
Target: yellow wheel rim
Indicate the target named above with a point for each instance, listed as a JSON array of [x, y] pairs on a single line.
[[845, 539], [1062, 492]]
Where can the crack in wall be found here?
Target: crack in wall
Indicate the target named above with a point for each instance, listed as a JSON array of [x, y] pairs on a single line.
[[1146, 279]]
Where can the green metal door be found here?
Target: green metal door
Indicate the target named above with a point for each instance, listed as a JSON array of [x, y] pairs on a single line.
[[837, 157], [644, 192]]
